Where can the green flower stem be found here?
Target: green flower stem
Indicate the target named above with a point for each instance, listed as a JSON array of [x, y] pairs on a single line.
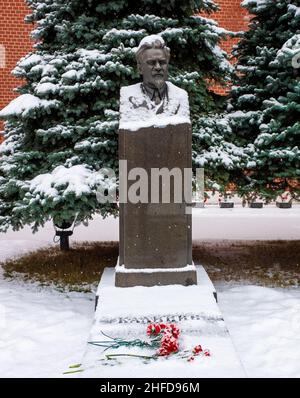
[[110, 356], [73, 371]]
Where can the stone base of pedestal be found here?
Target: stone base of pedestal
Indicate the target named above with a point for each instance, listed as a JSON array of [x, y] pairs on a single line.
[[125, 314], [129, 277]]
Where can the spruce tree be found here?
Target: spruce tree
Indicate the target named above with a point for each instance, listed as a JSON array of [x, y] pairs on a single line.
[[255, 144], [63, 127], [265, 100]]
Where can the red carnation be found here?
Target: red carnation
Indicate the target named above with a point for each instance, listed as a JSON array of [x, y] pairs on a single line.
[[197, 350], [153, 329], [175, 330], [169, 343]]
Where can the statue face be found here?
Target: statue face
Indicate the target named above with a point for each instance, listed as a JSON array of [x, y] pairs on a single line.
[[154, 67]]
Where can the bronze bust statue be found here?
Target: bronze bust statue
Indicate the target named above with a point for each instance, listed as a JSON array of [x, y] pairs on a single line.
[[155, 101]]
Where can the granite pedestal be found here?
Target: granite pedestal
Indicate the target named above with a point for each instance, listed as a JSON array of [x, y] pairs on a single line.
[[156, 238]]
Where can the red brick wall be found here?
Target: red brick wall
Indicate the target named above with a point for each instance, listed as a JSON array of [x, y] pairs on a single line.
[[231, 17], [14, 36]]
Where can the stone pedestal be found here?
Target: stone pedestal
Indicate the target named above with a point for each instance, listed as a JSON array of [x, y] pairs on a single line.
[[156, 238]]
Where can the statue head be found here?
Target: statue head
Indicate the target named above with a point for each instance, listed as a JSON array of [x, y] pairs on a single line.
[[152, 61]]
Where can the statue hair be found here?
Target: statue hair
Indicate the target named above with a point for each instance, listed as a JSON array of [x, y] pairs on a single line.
[[157, 44]]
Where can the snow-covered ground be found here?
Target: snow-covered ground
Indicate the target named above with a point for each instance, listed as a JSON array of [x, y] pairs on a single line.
[[42, 331], [264, 324]]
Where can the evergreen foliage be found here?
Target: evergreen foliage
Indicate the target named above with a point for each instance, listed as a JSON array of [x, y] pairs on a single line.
[[63, 128], [262, 124]]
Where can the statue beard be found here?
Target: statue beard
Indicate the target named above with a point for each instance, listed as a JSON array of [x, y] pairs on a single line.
[[159, 82]]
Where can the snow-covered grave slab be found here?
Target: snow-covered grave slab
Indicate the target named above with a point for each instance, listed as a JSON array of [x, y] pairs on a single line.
[[125, 312]]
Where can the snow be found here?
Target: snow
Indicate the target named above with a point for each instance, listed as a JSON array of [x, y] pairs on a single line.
[[156, 301], [30, 60], [76, 178], [24, 104], [193, 308], [48, 70], [217, 52], [46, 88], [123, 33], [294, 9], [73, 75], [290, 49], [138, 111], [264, 324], [247, 97], [8, 145], [121, 268], [260, 4], [43, 331], [169, 33], [93, 55], [228, 156], [150, 40]]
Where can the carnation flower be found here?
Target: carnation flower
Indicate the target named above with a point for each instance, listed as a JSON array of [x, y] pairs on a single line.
[[175, 330], [197, 349], [153, 329]]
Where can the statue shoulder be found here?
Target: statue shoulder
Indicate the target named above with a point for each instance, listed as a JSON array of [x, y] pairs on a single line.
[[130, 91], [177, 92]]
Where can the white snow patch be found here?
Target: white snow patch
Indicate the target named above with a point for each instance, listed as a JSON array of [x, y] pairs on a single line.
[[46, 88], [260, 4], [121, 268], [24, 104], [75, 178], [73, 74], [150, 40], [264, 324], [294, 9], [30, 60], [93, 55], [42, 331]]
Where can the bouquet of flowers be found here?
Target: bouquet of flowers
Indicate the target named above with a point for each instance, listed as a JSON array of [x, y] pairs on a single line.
[[163, 337]]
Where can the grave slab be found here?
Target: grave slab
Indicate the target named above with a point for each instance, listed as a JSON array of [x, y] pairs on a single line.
[[125, 313]]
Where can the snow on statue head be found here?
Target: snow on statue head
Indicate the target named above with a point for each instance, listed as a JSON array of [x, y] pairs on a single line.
[[152, 41], [152, 61]]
